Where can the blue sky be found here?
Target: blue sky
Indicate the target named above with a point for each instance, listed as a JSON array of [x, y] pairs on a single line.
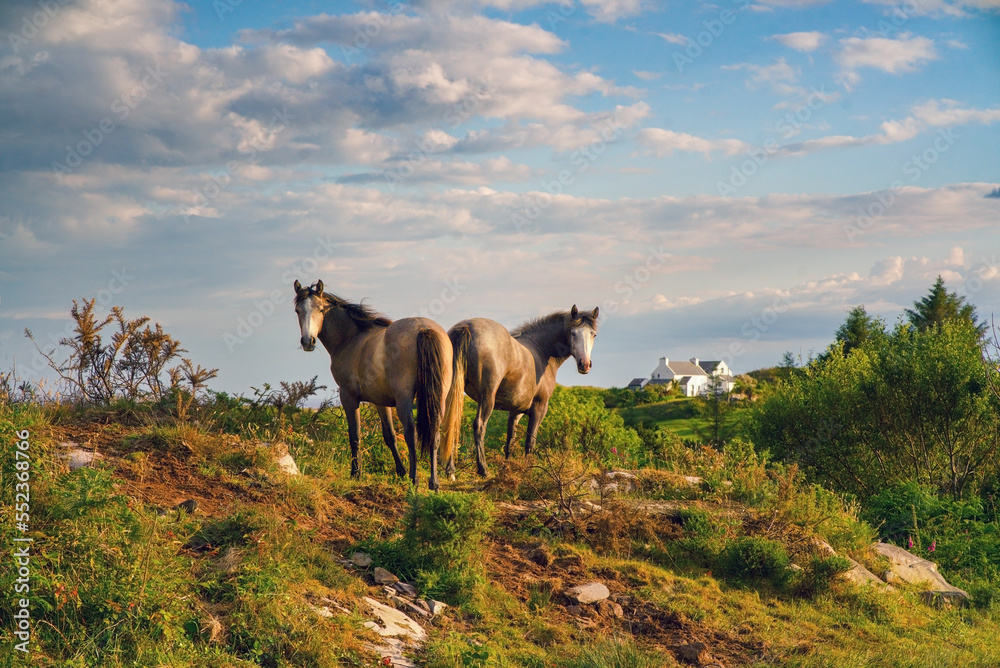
[[724, 180]]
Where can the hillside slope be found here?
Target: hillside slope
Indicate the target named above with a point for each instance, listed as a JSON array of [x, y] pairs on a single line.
[[697, 572]]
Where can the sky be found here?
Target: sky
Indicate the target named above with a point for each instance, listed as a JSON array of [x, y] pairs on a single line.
[[724, 180]]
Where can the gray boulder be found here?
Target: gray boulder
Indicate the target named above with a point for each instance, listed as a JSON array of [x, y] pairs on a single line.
[[910, 568]]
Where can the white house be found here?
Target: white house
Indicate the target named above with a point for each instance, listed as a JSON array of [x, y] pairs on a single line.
[[694, 377]]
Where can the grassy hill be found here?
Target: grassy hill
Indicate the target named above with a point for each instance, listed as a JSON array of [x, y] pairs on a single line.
[[120, 576]]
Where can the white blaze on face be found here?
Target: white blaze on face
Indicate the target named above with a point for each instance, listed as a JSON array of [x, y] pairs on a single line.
[[310, 322], [581, 342]]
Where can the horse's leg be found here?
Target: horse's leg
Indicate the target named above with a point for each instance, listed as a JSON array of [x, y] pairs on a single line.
[[479, 431], [352, 411], [449, 468], [404, 409], [432, 483], [535, 415], [389, 436], [513, 417]]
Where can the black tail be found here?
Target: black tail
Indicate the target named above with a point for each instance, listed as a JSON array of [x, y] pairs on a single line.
[[430, 388], [456, 395]]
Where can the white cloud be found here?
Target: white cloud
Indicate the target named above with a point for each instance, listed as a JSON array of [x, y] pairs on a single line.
[[801, 41], [954, 8], [647, 76], [895, 56], [925, 116], [674, 38], [932, 113], [661, 143], [609, 11]]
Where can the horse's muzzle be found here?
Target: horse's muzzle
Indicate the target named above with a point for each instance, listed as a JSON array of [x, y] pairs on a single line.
[[308, 343], [583, 366]]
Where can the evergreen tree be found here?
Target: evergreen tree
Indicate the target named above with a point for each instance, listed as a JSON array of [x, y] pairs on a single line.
[[857, 329], [940, 306]]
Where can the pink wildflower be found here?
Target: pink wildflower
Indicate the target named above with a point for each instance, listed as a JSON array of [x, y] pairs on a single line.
[[614, 451], [933, 546], [910, 545]]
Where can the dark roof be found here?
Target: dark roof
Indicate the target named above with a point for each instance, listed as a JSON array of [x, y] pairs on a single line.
[[685, 369], [709, 365], [637, 381]]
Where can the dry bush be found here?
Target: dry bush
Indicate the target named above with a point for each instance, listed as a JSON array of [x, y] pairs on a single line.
[[130, 366]]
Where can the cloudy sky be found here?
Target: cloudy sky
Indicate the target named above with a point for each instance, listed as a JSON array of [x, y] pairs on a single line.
[[724, 180]]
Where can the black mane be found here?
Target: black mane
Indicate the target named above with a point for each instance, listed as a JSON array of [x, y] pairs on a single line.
[[559, 317], [364, 317]]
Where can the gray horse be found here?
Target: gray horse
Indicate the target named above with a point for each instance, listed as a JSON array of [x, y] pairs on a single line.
[[512, 371], [386, 363]]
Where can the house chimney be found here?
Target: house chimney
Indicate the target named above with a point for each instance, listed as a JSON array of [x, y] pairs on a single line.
[[694, 360], [663, 361]]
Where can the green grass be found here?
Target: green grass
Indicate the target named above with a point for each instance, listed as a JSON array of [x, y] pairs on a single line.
[[118, 585], [678, 414]]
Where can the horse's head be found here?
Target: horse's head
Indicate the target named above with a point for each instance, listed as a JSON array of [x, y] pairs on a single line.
[[310, 306], [582, 332]]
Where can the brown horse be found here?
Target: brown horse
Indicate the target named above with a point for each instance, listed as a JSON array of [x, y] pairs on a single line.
[[512, 371], [386, 363]]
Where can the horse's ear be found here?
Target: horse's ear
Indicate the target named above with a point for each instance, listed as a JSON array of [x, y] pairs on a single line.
[[319, 288], [298, 287], [596, 309], [573, 312]]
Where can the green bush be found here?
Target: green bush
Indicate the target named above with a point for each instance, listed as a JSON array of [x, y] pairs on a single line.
[[752, 559], [819, 574], [440, 545], [965, 535]]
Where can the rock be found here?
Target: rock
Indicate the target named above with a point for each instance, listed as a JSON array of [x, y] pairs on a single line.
[[394, 622], [942, 599], [361, 559], [692, 480], [862, 576], [392, 649], [694, 653], [610, 609], [613, 482], [436, 607], [282, 459], [588, 593], [413, 607], [405, 589], [574, 610], [383, 576], [322, 611], [287, 464], [918, 571], [76, 457], [824, 547], [190, 505]]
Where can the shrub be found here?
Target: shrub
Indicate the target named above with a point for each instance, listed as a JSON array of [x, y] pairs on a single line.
[[965, 534], [819, 574], [752, 559], [440, 546], [130, 366]]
